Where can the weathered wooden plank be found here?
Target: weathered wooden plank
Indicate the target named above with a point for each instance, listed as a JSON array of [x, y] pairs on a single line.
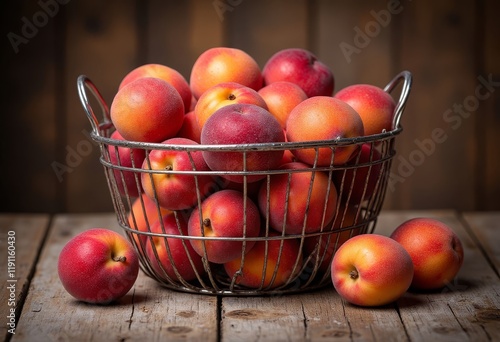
[[262, 28], [434, 41], [102, 43], [28, 231], [30, 75], [468, 308], [485, 227], [148, 312], [488, 123]]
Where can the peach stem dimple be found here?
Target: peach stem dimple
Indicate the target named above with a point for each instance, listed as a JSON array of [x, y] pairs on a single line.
[[119, 258], [354, 274]]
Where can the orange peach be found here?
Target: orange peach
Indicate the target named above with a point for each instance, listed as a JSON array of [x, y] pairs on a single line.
[[224, 94], [278, 205], [371, 270], [435, 249], [148, 109], [281, 97], [173, 258], [225, 213], [323, 118], [373, 104], [190, 129], [268, 265], [143, 214], [223, 64], [165, 73]]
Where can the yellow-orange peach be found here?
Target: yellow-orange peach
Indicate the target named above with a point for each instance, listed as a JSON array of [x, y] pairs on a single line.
[[148, 109], [323, 118], [288, 197], [281, 98], [223, 64], [373, 104], [371, 270], [143, 214], [165, 73], [435, 249], [280, 259], [224, 94]]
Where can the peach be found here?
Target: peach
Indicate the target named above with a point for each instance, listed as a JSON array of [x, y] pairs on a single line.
[[148, 109], [173, 258], [373, 104], [176, 191], [269, 264], [360, 181], [190, 129], [323, 118], [226, 213], [371, 270], [323, 247], [143, 214], [224, 94], [165, 73], [277, 204], [435, 249], [98, 266], [281, 98], [242, 124], [301, 67], [223, 64], [128, 182]]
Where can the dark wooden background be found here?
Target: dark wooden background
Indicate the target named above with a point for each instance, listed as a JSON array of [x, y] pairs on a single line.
[[448, 45]]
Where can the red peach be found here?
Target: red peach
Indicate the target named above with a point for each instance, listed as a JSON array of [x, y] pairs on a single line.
[[176, 191], [277, 204], [301, 67], [173, 257], [323, 118], [165, 73], [226, 213], [242, 124], [190, 129], [128, 182], [373, 104], [98, 266], [147, 109], [223, 64], [435, 249]]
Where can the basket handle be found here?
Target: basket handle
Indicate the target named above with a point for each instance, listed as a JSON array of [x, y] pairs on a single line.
[[406, 77], [84, 83]]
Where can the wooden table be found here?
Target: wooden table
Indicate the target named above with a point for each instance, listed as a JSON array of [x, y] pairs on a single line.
[[466, 310]]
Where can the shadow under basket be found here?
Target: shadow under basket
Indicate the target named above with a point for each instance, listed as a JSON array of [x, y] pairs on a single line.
[[293, 247]]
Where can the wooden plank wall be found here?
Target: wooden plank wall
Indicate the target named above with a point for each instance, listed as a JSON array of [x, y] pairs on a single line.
[[451, 47]]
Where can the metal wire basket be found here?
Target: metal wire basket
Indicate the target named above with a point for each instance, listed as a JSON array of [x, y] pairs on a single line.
[[274, 261]]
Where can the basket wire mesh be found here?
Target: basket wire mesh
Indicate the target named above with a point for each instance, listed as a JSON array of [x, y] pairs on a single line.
[[288, 262]]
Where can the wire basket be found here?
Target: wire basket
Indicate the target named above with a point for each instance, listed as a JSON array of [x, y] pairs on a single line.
[[176, 252]]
